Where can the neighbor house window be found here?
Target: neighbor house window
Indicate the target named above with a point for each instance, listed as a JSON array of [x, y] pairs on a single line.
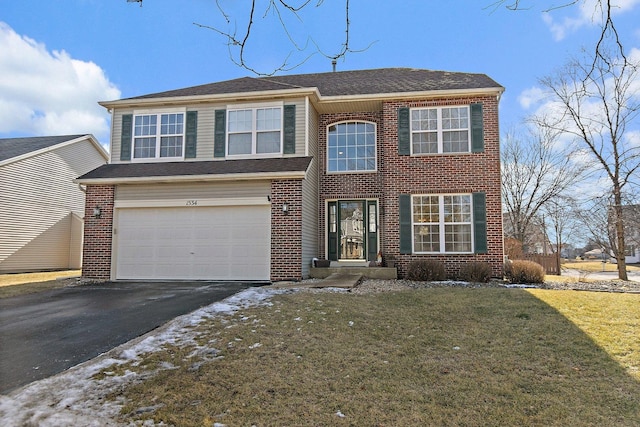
[[158, 136], [254, 131], [351, 147], [440, 130], [442, 223]]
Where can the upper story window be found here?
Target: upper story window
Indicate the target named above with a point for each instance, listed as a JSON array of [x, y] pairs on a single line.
[[351, 147], [254, 131], [440, 130], [158, 136]]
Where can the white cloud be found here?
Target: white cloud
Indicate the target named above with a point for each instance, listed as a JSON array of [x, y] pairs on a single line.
[[530, 97], [586, 13], [50, 93]]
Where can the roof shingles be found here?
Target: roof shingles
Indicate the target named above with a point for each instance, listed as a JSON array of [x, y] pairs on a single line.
[[343, 83], [15, 147], [118, 171]]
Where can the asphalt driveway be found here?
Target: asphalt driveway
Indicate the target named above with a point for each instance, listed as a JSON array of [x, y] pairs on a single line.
[[45, 333]]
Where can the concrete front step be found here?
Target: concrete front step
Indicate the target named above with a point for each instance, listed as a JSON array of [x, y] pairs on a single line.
[[368, 272]]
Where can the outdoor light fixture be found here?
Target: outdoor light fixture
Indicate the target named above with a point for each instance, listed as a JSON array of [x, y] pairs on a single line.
[[97, 212], [285, 208]]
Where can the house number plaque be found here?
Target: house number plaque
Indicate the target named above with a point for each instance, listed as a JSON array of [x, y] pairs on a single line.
[[192, 203]]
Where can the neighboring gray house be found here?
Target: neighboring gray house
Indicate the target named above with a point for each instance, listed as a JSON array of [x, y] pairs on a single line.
[[41, 208], [631, 215]]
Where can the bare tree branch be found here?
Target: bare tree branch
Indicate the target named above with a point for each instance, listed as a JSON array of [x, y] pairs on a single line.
[[535, 170], [238, 41], [596, 99]]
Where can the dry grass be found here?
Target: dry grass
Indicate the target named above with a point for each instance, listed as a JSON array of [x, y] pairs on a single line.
[[34, 282], [22, 278], [421, 357], [595, 266]]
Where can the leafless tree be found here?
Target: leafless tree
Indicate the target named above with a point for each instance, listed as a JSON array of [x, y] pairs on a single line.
[[596, 101], [560, 217], [238, 31], [602, 13], [239, 28], [535, 170]]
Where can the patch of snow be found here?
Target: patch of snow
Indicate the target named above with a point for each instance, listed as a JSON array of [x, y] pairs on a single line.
[[520, 286], [77, 397]]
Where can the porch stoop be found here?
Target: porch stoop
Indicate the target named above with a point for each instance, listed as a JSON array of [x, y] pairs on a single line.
[[367, 272]]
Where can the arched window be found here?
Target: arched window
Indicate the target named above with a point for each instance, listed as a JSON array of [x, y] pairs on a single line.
[[351, 147]]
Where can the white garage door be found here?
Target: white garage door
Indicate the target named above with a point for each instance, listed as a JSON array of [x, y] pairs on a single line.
[[194, 243]]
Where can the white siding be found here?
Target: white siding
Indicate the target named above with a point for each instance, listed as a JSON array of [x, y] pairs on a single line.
[[38, 200], [206, 121], [310, 209], [221, 190]]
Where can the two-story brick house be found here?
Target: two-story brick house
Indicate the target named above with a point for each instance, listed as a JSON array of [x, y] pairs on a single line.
[[249, 179]]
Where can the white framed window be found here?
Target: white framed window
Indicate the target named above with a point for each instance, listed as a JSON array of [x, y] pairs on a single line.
[[442, 223], [351, 147], [254, 131], [158, 136], [440, 130]]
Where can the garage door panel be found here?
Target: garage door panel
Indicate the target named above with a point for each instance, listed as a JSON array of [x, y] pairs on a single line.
[[207, 243]]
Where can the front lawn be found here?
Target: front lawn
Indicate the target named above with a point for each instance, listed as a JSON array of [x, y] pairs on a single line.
[[485, 356]]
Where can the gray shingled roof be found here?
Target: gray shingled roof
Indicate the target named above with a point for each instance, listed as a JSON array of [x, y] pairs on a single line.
[[169, 169], [361, 82], [14, 147]]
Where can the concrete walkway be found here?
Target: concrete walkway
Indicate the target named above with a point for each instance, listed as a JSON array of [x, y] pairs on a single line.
[[600, 275], [341, 280]]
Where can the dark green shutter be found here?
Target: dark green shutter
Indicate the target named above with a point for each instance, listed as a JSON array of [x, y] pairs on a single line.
[[477, 131], [404, 131], [480, 222], [406, 245], [191, 135], [372, 236], [289, 130], [126, 136], [220, 135], [332, 241]]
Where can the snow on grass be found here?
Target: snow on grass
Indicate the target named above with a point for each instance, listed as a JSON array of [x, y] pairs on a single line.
[[78, 395]]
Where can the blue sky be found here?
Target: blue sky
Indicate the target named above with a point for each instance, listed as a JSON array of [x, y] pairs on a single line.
[[58, 58]]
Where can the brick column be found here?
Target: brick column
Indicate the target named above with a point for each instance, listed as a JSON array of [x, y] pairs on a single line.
[[98, 232], [286, 230]]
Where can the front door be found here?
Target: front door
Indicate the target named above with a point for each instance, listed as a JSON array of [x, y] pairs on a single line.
[[353, 230]]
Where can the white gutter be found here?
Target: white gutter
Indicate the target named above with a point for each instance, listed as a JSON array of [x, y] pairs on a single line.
[[199, 178], [411, 95], [226, 97], [306, 92]]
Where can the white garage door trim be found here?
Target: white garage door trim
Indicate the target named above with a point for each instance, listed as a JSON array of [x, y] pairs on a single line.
[[200, 241]]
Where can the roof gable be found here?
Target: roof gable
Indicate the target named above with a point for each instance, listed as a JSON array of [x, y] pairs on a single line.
[[16, 147]]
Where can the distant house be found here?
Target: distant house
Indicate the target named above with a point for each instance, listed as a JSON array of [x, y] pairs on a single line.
[[631, 216], [536, 240], [41, 208], [252, 178]]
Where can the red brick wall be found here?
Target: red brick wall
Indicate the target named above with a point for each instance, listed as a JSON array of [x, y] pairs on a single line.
[[98, 232], [443, 173], [361, 185], [286, 230]]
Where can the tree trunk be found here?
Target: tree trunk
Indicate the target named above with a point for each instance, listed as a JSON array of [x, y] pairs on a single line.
[[620, 244]]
